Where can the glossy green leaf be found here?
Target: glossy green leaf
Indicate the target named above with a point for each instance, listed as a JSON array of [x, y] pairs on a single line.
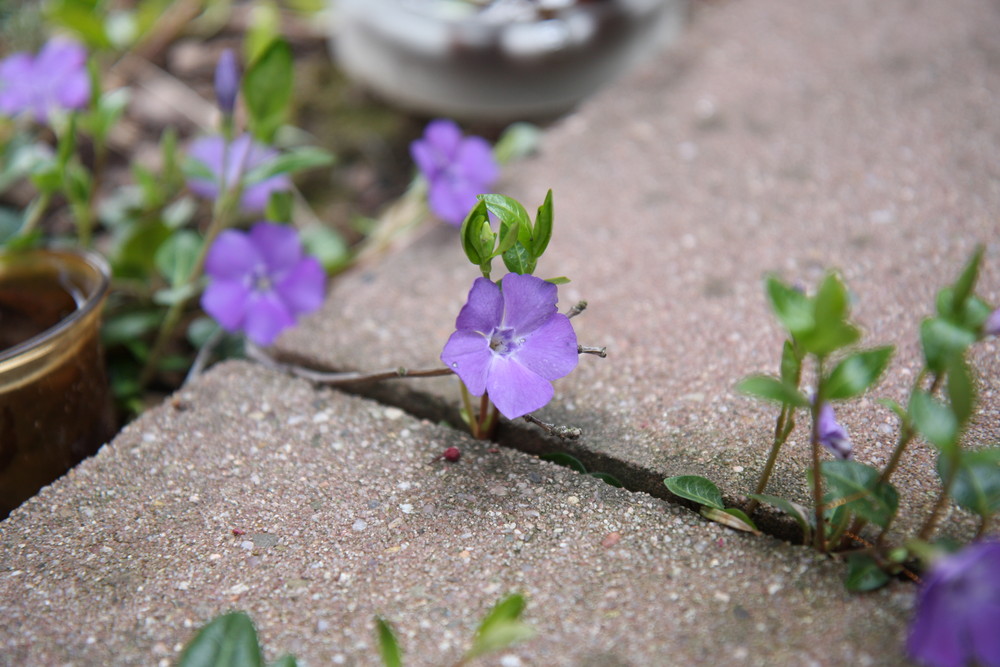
[[772, 389], [793, 308], [977, 482], [509, 210], [802, 516], [289, 162], [566, 460], [542, 231], [962, 289], [519, 259], [941, 340], [731, 518], [697, 489], [280, 206], [933, 420], [864, 574], [471, 231], [388, 647], [229, 640], [501, 627], [857, 372], [742, 516], [858, 485], [267, 89]]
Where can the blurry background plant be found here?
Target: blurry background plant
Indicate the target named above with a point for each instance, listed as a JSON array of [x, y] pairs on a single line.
[[139, 165]]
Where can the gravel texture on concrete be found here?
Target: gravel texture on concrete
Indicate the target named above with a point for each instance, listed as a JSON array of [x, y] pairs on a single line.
[[793, 138], [313, 511]]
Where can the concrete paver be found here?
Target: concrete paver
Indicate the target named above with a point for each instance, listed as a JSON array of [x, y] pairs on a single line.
[[344, 513], [860, 136]]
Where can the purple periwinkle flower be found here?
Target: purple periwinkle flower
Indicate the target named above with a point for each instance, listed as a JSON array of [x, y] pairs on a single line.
[[957, 622], [832, 435], [229, 164], [512, 343], [54, 79], [457, 169], [260, 282], [227, 81], [992, 325]]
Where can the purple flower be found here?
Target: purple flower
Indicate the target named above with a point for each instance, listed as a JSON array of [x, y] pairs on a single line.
[[457, 169], [55, 79], [832, 435], [992, 325], [512, 343], [227, 81], [229, 164], [958, 610], [260, 282]]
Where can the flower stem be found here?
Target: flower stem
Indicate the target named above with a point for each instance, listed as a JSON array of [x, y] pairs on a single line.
[[820, 536], [36, 210], [954, 456], [782, 429]]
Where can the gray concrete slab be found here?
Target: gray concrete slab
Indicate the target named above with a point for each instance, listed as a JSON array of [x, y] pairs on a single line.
[[784, 137], [343, 512]]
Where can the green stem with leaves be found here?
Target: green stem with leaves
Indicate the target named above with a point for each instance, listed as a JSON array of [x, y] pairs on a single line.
[[820, 533]]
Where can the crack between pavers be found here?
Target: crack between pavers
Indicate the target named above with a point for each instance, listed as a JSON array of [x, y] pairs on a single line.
[[520, 436]]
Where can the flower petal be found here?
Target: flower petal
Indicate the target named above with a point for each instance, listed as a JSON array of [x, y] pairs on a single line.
[[449, 201], [444, 136], [551, 349], [983, 624], [529, 301], [279, 245], [483, 310], [226, 301], [209, 151], [514, 389], [232, 256], [302, 289], [266, 317], [476, 162], [468, 354]]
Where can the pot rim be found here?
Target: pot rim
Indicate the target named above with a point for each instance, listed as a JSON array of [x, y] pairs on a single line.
[[93, 300]]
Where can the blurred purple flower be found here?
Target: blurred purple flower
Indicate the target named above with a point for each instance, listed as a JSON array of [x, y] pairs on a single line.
[[230, 165], [832, 435], [260, 282], [457, 169], [957, 622], [227, 81], [992, 325], [54, 79], [512, 343]]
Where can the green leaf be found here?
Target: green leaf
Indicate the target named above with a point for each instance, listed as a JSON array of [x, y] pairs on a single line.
[[566, 460], [171, 295], [830, 303], [864, 574], [326, 245], [801, 515], [279, 206], [961, 390], [896, 408], [388, 647], [791, 364], [176, 256], [80, 18], [285, 661], [858, 484], [941, 340], [509, 210], [519, 259], [933, 420], [541, 233], [501, 627], [821, 341], [607, 479], [977, 482], [180, 212], [772, 389], [128, 326], [470, 234], [857, 372], [136, 249], [732, 518], [265, 23], [229, 640], [793, 308], [267, 89], [517, 141], [962, 289], [289, 162], [697, 489]]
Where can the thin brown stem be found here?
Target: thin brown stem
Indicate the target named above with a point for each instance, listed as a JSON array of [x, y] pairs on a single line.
[[258, 354], [782, 429], [820, 536], [576, 309], [564, 432]]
